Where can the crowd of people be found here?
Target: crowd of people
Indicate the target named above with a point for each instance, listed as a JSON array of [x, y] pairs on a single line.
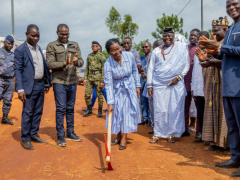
[[156, 88]]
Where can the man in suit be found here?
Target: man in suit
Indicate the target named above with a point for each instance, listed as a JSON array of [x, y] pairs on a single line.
[[32, 81], [229, 51]]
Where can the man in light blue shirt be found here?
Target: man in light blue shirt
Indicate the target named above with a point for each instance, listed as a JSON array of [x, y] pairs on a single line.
[[144, 100]]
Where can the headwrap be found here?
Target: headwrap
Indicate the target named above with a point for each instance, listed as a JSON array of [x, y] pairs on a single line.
[[168, 30], [10, 39], [221, 22]]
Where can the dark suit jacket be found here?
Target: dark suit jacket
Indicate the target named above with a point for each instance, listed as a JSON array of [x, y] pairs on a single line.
[[230, 52], [25, 71]]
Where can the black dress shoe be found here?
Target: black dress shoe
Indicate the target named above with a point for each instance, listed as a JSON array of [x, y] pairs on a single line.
[[142, 123], [73, 137], [149, 124], [38, 139], [121, 147], [236, 173], [186, 133], [27, 145], [61, 142], [198, 137], [229, 164]]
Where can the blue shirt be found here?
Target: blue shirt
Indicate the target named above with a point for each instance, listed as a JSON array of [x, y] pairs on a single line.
[[144, 62], [6, 63], [230, 52]]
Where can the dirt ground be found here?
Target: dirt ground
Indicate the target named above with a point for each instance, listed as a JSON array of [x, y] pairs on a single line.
[[86, 159]]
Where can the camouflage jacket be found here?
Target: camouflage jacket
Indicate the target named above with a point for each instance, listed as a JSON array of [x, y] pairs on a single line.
[[94, 67], [57, 55], [6, 63]]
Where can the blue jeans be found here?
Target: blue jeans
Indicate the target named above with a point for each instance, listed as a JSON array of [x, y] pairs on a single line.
[[32, 112], [145, 107], [94, 96], [65, 96]]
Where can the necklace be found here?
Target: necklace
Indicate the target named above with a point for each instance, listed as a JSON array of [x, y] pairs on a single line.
[[162, 51]]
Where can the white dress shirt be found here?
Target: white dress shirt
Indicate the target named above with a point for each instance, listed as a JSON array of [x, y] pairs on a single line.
[[197, 78]]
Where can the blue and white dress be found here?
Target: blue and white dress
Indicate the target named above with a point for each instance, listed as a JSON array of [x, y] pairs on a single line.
[[120, 84]]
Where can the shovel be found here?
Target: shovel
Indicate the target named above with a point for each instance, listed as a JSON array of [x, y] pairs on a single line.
[[108, 143]]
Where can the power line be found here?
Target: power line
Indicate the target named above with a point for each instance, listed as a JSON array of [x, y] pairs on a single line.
[[184, 7]]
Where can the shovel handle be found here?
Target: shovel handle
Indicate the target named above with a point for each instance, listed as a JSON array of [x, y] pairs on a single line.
[[109, 134]]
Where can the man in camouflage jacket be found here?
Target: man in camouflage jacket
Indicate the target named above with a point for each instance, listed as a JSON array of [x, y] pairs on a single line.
[[94, 77]]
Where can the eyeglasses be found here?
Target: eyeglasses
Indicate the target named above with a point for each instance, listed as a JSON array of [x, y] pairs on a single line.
[[145, 46], [67, 34]]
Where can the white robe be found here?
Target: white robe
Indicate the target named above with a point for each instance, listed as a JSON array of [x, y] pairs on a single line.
[[168, 100]]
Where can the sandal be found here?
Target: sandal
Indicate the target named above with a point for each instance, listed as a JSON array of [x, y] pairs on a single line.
[[115, 142], [209, 148], [154, 140], [171, 139], [121, 147]]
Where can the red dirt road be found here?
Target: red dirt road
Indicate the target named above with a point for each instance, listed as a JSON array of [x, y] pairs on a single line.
[[86, 159]]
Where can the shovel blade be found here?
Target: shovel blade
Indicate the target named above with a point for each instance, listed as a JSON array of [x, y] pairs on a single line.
[[110, 168], [108, 156]]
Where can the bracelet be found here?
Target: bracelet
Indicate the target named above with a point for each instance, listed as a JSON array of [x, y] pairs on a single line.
[[178, 78]]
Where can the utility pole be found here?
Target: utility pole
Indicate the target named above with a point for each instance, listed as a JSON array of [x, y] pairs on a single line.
[[201, 15], [12, 8]]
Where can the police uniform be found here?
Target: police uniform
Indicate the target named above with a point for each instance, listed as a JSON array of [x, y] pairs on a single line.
[[6, 82], [94, 76]]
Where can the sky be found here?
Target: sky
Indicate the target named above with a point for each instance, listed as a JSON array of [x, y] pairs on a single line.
[[86, 18]]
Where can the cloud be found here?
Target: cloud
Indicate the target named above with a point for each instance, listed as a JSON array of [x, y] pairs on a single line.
[[86, 18]]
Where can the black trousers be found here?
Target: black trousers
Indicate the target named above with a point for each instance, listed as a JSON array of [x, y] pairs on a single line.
[[232, 114], [200, 103]]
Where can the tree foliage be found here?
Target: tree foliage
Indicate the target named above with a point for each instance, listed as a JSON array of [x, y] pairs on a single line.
[[121, 28], [138, 46], [168, 21], [210, 31], [105, 53]]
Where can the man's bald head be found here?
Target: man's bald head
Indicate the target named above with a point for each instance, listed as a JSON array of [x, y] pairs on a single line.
[[157, 43]]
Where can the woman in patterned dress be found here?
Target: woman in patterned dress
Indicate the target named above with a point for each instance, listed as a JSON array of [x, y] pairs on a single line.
[[123, 89]]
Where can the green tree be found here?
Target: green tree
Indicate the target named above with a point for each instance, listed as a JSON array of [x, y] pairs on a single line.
[[138, 46], [210, 31], [121, 29], [105, 53], [169, 21]]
